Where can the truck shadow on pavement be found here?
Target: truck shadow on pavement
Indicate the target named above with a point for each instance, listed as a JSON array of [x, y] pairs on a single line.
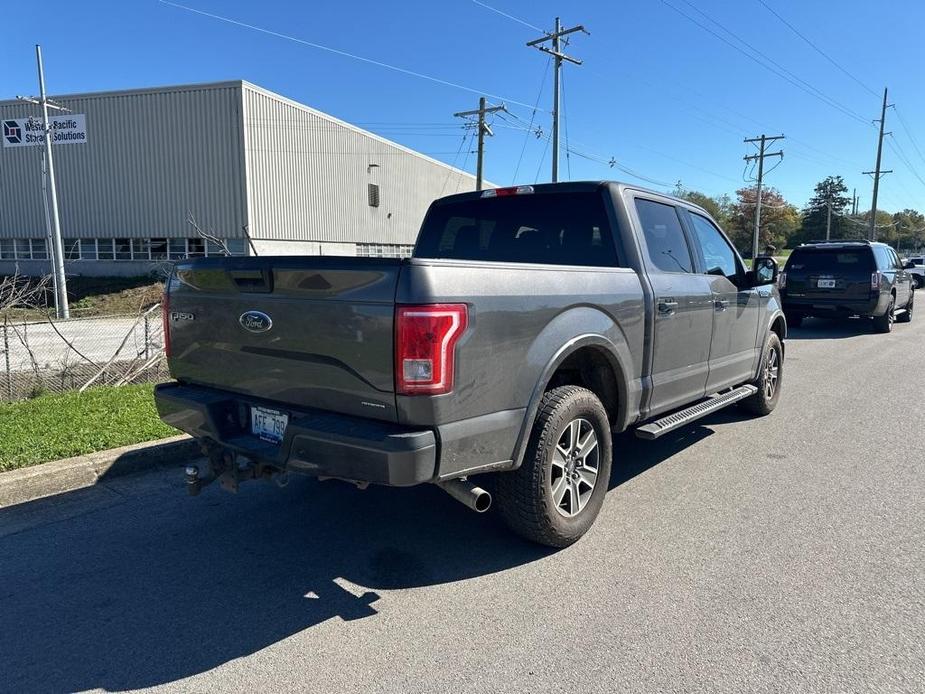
[[831, 329], [140, 585]]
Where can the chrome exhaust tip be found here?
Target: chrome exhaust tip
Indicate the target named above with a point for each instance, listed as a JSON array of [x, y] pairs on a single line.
[[467, 494]]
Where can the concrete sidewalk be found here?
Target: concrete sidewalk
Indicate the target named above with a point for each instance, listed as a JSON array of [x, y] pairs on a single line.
[[59, 476]]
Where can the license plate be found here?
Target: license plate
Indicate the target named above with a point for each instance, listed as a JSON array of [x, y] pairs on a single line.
[[268, 425], [826, 284]]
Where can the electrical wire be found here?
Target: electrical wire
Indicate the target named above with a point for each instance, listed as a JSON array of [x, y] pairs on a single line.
[[816, 48], [510, 16], [346, 54], [773, 67], [539, 96], [902, 121], [462, 141]]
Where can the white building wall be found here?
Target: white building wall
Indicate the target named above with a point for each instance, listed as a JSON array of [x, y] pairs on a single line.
[[308, 175]]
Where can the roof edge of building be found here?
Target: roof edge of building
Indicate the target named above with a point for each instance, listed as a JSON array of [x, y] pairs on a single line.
[[345, 124], [193, 86]]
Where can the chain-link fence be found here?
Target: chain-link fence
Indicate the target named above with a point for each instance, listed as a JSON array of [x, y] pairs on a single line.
[[45, 355]]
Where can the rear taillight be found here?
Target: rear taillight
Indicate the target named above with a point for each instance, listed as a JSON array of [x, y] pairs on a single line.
[[782, 280], [425, 347], [165, 318], [875, 279], [504, 192]]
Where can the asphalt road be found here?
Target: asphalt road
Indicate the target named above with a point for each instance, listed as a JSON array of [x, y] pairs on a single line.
[[777, 554]]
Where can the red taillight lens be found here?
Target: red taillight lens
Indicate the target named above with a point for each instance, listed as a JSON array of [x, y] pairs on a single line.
[[875, 279], [165, 318], [425, 347]]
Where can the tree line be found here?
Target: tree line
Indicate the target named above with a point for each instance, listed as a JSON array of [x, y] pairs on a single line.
[[784, 225]]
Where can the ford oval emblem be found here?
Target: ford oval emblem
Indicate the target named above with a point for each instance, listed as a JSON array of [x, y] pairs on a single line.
[[255, 321]]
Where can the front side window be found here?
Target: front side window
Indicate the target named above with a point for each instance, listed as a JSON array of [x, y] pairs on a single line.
[[718, 256], [661, 226]]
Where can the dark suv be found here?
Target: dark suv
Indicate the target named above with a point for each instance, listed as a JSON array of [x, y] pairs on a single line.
[[839, 279]]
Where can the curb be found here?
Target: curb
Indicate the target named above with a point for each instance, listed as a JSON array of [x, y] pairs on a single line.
[[66, 475]]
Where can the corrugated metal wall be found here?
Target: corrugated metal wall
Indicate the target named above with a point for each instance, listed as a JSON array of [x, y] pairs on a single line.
[[151, 156], [308, 175]]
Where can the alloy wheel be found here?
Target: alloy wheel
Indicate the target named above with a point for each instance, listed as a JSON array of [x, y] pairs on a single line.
[[771, 373], [575, 464]]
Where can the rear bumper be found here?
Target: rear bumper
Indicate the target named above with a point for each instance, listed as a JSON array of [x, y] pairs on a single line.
[[833, 306], [316, 443]]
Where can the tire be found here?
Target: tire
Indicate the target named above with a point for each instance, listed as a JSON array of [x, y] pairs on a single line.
[[527, 496], [884, 323], [907, 316], [769, 380], [794, 320]]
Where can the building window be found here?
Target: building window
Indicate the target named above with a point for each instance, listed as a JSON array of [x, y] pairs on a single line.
[[372, 193], [236, 246], [141, 249], [177, 248], [88, 249], [158, 249], [197, 248], [39, 249], [384, 250], [123, 249], [71, 249], [7, 249], [105, 249], [23, 249]]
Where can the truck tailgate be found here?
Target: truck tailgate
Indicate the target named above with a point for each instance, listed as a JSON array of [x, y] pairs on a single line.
[[303, 331]]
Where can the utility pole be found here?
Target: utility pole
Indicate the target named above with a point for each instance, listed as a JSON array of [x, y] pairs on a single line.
[[57, 246], [760, 157], [558, 57], [484, 130], [828, 217], [854, 201], [877, 173]]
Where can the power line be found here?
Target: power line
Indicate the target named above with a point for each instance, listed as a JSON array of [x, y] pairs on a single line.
[[816, 48], [532, 117], [509, 16], [902, 122], [774, 66], [340, 52]]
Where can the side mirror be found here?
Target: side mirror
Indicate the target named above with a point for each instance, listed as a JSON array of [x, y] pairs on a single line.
[[908, 265], [764, 270]]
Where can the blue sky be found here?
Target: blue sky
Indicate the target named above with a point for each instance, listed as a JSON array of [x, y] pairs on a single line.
[[659, 94]]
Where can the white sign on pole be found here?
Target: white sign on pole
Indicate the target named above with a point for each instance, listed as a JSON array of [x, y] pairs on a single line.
[[70, 129]]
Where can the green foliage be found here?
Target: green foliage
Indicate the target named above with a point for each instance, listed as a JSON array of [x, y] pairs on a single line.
[[831, 189], [718, 206], [779, 219], [56, 426]]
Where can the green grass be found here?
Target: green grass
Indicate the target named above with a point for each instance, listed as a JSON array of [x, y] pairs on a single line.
[[56, 426]]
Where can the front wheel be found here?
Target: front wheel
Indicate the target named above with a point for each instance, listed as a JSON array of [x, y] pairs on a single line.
[[769, 379], [554, 497]]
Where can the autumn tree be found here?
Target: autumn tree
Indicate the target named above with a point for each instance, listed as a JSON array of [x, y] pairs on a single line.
[[829, 191], [779, 219]]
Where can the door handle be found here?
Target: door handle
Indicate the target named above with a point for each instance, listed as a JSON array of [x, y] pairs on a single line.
[[721, 304], [667, 306]]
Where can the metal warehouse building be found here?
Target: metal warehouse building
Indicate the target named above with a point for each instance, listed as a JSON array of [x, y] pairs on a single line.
[[133, 166]]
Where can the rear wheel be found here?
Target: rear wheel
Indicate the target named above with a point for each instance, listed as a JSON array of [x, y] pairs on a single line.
[[906, 317], [884, 323], [769, 379], [556, 494]]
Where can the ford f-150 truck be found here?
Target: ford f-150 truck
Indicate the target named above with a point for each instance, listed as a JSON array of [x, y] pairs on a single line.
[[530, 325]]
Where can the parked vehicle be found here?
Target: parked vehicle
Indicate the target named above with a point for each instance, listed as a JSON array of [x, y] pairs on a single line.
[[530, 324], [916, 267], [840, 279]]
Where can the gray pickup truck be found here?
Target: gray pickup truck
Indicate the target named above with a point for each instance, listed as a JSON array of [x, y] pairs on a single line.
[[530, 324]]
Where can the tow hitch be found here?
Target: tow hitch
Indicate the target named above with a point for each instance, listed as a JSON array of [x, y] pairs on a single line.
[[225, 467]]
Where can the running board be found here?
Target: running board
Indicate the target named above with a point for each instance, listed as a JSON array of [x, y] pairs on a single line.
[[691, 414]]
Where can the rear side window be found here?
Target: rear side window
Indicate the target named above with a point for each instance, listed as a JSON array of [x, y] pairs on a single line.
[[555, 229], [834, 260], [661, 226]]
